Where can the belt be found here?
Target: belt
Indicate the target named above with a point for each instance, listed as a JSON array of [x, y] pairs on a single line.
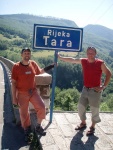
[[30, 91], [89, 88]]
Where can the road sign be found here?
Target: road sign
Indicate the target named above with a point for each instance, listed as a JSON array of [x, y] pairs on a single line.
[[57, 38]]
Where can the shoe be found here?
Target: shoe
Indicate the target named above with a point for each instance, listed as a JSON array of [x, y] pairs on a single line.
[[40, 130], [90, 131], [81, 126], [28, 135]]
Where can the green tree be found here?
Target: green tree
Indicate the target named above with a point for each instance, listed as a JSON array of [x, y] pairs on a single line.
[[3, 45], [107, 104], [67, 99], [104, 107]]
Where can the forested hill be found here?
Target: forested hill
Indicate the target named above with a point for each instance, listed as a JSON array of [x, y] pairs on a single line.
[[25, 22], [100, 37], [17, 26], [100, 31], [95, 35]]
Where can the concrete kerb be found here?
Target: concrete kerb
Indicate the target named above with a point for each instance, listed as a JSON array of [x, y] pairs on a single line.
[[8, 64]]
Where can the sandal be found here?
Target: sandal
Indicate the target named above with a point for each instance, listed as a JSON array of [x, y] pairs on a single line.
[[81, 126], [91, 131]]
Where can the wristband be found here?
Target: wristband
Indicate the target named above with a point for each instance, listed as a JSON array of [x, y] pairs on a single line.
[[104, 86], [48, 67]]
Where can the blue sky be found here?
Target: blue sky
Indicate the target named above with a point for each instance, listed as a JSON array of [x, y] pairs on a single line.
[[82, 12]]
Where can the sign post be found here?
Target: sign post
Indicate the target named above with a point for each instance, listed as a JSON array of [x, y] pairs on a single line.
[[53, 86], [58, 38]]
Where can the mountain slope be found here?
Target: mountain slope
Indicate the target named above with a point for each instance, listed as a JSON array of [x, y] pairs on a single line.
[[93, 35], [100, 31], [25, 22], [99, 37]]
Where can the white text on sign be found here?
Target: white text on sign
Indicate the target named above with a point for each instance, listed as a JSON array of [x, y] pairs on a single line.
[[54, 42]]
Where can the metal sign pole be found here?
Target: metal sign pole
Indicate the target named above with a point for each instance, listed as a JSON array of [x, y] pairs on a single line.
[[47, 37], [53, 86]]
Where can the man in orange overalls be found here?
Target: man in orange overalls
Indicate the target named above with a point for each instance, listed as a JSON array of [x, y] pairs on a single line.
[[24, 91]]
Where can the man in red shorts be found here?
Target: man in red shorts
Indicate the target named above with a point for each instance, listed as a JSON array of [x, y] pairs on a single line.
[[92, 68], [24, 91]]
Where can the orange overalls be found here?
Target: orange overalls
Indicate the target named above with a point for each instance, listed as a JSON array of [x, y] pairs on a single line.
[[24, 75]]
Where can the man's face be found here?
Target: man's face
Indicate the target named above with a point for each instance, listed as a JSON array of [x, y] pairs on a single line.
[[91, 54], [26, 55]]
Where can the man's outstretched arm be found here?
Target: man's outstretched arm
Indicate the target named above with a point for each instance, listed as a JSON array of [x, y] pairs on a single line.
[[70, 59]]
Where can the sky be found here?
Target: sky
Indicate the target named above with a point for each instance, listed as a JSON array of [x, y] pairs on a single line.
[[82, 12]]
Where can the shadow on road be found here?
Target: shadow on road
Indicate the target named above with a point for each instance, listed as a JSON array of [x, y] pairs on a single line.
[[78, 144], [12, 137]]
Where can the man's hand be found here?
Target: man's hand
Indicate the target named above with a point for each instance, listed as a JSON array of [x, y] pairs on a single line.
[[15, 103], [99, 88], [16, 106], [58, 55]]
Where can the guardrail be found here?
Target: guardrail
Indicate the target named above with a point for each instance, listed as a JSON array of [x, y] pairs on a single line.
[[43, 82]]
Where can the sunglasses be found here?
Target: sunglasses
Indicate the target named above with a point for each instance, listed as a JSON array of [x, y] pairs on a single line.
[[93, 48]]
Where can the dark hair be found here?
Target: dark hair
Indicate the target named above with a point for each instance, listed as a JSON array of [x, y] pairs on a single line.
[[25, 49], [93, 48]]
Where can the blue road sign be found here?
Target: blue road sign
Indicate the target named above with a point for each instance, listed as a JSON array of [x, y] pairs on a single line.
[[60, 38]]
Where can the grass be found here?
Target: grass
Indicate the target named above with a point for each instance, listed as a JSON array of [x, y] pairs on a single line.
[[3, 38], [46, 53], [43, 53]]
